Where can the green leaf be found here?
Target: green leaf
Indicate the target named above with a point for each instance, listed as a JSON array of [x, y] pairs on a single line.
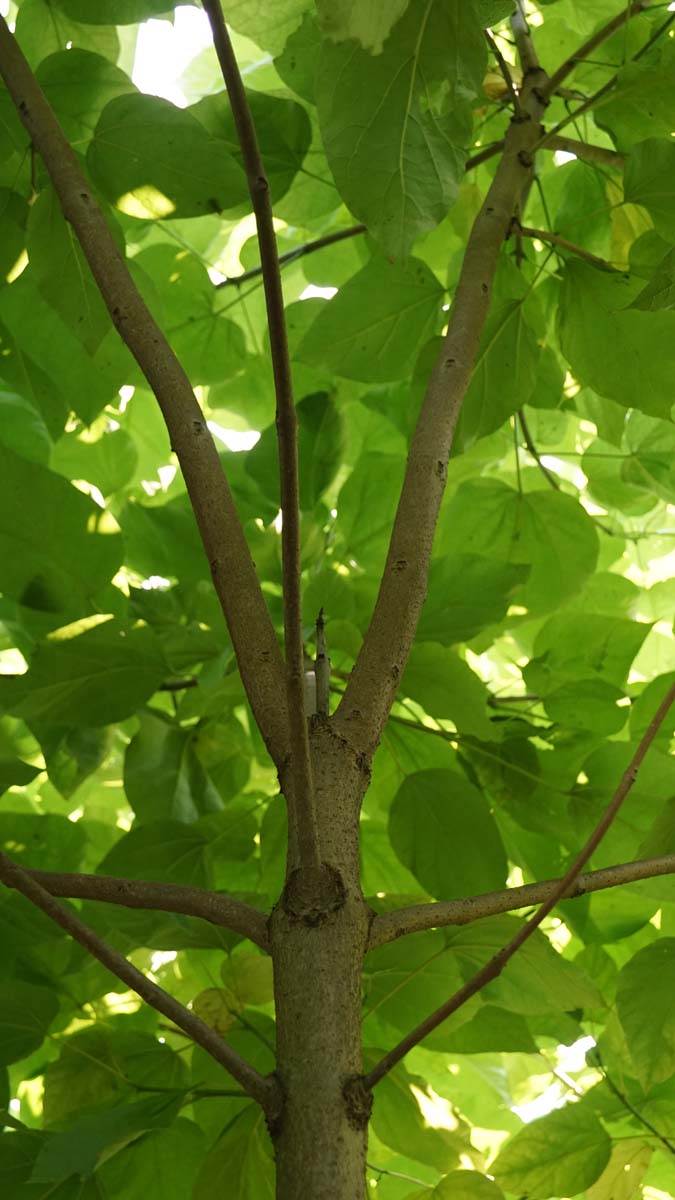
[[462, 1185], [641, 103], [283, 130], [163, 777], [587, 704], [547, 531], [163, 1163], [113, 12], [42, 28], [210, 346], [621, 352], [76, 1150], [320, 444], [560, 1154], [367, 22], [644, 1003], [164, 850], [536, 979], [81, 380], [403, 984], [441, 829], [240, 1161], [26, 1012], [57, 549], [151, 159], [504, 374], [467, 592], [396, 124], [398, 1121], [373, 329], [22, 428], [100, 676], [268, 27], [650, 181], [603, 647], [71, 755], [446, 687], [78, 85], [44, 840]]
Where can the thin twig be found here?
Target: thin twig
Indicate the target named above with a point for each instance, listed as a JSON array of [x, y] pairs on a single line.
[[596, 39], [389, 926], [483, 155], [395, 1174], [234, 577], [291, 256], [532, 449], [555, 239], [635, 1112], [607, 87], [494, 967], [321, 668], [298, 779], [263, 1090], [506, 73], [220, 910]]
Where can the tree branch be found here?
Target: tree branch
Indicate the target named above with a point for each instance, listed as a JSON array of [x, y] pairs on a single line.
[[553, 141], [263, 1090], [555, 239], [587, 151], [506, 73], [232, 568], [372, 687], [494, 967], [529, 60], [165, 897], [290, 256], [392, 925], [483, 155], [596, 39], [302, 814]]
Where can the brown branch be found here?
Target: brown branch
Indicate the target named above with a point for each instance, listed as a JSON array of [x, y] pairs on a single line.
[[555, 239], [298, 783], [263, 1090], [587, 151], [290, 256], [419, 917], [372, 687], [494, 967], [232, 568], [596, 39], [164, 897], [505, 71]]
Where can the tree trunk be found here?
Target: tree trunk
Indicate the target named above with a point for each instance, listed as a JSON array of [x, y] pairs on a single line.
[[318, 940]]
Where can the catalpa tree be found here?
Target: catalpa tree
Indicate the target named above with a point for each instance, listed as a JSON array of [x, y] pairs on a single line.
[[326, 863]]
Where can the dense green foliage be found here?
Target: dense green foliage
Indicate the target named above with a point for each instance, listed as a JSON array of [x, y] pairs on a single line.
[[544, 647]]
